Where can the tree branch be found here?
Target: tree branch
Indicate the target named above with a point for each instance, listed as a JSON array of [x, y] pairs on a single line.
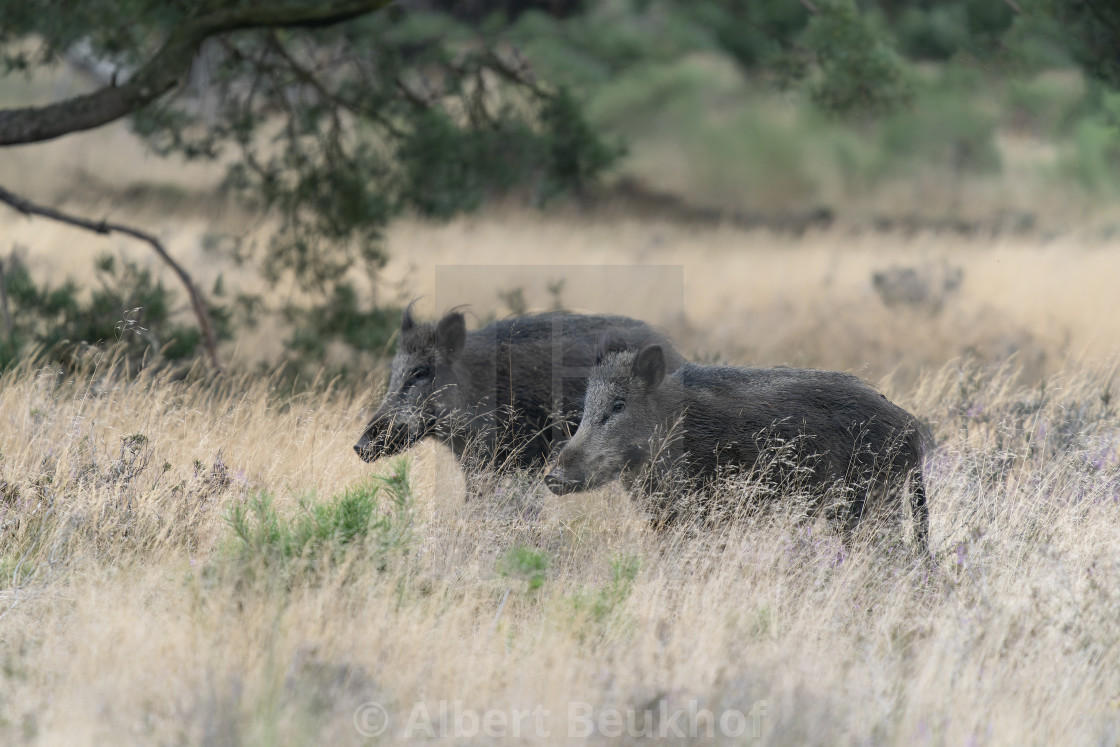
[[164, 71], [209, 340]]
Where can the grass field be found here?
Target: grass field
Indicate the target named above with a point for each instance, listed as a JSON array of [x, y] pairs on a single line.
[[132, 611]]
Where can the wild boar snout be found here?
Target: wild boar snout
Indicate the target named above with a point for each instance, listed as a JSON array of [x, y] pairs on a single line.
[[558, 482]]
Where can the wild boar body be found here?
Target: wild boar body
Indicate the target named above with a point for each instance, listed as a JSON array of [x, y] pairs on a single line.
[[797, 428]]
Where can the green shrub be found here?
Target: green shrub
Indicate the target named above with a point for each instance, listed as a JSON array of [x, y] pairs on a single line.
[[987, 23], [600, 604], [357, 524], [15, 570], [527, 564], [752, 33], [340, 318], [127, 308], [592, 48], [1037, 42], [1044, 105], [660, 97], [942, 128], [446, 169], [935, 33], [857, 73], [766, 159], [1091, 158]]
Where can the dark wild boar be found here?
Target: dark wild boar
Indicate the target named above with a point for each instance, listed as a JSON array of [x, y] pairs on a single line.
[[494, 393], [642, 422]]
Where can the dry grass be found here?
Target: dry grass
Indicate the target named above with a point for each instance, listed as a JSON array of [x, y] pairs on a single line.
[[127, 616]]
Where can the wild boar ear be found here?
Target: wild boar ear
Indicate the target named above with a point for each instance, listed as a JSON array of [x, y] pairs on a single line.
[[407, 321], [649, 365], [451, 334], [611, 343]]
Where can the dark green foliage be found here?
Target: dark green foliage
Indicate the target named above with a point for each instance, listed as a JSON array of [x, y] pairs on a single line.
[[857, 71], [446, 170], [933, 33], [987, 23], [1092, 159], [120, 30], [940, 30], [341, 319], [127, 308], [753, 33], [337, 131], [370, 521], [1092, 31], [576, 155]]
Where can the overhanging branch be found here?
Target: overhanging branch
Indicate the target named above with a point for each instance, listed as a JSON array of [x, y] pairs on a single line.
[[164, 71], [209, 340]]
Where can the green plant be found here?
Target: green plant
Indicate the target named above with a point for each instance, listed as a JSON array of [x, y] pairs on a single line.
[[1044, 105], [527, 564], [128, 309], [754, 34], [356, 523], [934, 33], [600, 604], [340, 318], [858, 71], [943, 127], [1092, 156]]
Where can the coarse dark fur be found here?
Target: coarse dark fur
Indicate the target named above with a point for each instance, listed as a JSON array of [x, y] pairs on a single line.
[[502, 394], [700, 423]]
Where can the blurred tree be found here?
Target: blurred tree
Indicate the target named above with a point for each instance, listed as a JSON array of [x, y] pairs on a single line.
[[335, 116], [339, 115], [840, 54], [1093, 33]]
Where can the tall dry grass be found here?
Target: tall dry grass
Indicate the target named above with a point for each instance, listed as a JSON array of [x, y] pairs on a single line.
[[129, 613]]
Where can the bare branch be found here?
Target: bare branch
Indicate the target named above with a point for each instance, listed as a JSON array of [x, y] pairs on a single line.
[[164, 71], [29, 208]]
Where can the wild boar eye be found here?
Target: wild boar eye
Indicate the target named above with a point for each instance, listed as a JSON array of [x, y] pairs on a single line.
[[420, 372], [616, 408]]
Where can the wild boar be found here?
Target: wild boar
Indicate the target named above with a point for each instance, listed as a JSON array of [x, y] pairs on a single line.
[[502, 394], [699, 423]]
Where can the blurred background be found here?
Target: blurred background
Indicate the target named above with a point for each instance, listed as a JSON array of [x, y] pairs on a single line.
[[878, 186]]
